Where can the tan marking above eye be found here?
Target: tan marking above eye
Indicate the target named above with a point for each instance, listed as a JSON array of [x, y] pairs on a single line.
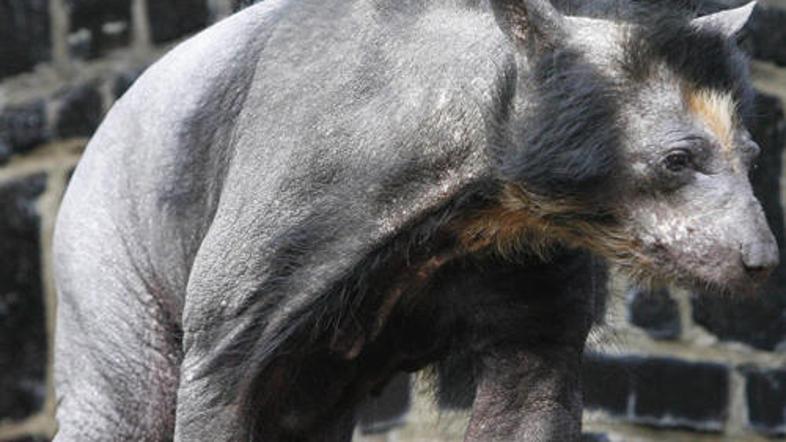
[[717, 110]]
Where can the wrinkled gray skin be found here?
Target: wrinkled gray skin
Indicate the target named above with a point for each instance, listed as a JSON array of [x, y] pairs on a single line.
[[296, 111], [711, 233]]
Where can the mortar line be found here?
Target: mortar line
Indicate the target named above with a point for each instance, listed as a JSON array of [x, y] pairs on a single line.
[[48, 207], [142, 41], [59, 23], [56, 169], [738, 407]]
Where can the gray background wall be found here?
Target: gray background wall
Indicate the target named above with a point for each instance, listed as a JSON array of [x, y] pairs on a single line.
[[669, 365]]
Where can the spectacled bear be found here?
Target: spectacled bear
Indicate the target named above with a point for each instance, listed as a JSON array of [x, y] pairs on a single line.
[[313, 195]]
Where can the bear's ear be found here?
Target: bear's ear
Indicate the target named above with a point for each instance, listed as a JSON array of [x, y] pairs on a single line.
[[534, 25], [729, 22]]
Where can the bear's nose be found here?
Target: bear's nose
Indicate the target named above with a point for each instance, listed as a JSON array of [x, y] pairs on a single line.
[[760, 258]]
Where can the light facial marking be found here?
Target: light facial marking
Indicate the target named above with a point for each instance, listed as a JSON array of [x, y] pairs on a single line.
[[717, 110]]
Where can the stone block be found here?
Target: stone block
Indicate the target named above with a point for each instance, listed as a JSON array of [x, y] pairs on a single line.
[[607, 383], [98, 25], [765, 393], [23, 127], [173, 19], [673, 393], [23, 339], [24, 35], [768, 35], [80, 111], [655, 312], [660, 392], [241, 4], [456, 382], [32, 438], [386, 410], [125, 80]]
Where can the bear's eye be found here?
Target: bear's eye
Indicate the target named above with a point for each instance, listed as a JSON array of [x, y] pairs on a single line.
[[678, 160]]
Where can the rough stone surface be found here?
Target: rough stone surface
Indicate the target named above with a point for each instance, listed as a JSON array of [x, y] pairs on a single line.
[[456, 383], [655, 312], [5, 150], [24, 35], [764, 36], [175, 18], [768, 35], [766, 398], [658, 391], [758, 320], [125, 80], [23, 348], [98, 25], [81, 109], [22, 127], [673, 393], [387, 410], [240, 4], [607, 383], [30, 439]]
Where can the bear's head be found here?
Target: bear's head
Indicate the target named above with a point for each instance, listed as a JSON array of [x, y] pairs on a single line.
[[627, 136]]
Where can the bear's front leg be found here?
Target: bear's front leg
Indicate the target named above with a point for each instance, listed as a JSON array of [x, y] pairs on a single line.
[[528, 354], [528, 395]]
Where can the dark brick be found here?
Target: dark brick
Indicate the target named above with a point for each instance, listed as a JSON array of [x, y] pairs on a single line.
[[764, 36], [124, 81], [768, 128], [768, 34], [98, 25], [766, 397], [654, 311], [80, 112], [386, 411], [24, 35], [175, 18], [674, 393], [241, 4], [5, 150], [657, 391], [23, 127], [29, 439], [23, 342], [607, 383], [456, 382], [760, 320]]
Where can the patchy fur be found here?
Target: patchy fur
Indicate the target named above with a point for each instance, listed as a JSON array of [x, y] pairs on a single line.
[[704, 59], [568, 143], [382, 185], [717, 111]]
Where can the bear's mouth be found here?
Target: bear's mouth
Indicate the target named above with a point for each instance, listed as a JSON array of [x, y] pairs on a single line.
[[716, 270]]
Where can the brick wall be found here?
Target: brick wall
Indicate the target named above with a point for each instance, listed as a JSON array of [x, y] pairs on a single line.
[[668, 365]]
